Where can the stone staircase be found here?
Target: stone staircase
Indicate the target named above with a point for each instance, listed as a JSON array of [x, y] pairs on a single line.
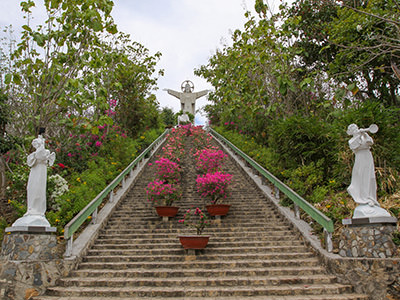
[[253, 252]]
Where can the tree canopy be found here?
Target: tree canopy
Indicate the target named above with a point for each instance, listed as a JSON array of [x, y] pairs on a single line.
[[65, 71]]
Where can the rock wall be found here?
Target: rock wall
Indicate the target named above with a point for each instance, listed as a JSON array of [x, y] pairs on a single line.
[[374, 277], [25, 279], [29, 263]]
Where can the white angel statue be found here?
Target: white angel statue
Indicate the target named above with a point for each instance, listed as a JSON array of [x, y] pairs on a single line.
[[36, 188], [363, 182]]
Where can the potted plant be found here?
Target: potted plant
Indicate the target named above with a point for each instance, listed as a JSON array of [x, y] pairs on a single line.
[[163, 194], [214, 186], [194, 218]]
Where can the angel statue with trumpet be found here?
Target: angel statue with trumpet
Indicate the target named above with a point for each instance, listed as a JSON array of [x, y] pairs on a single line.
[[363, 182]]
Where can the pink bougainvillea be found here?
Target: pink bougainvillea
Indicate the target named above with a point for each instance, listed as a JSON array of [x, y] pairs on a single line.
[[168, 170], [209, 160], [214, 186], [161, 192]]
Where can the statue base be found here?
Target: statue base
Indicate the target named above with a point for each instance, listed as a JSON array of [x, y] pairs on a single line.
[[31, 220], [368, 237], [368, 211], [30, 243]]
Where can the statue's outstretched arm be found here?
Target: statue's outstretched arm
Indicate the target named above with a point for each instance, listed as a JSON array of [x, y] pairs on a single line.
[[174, 93], [201, 93]]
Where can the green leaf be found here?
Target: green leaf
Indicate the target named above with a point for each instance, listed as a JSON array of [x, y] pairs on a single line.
[[112, 29], [38, 38], [17, 79], [55, 4], [26, 5], [95, 130], [351, 86], [283, 89], [27, 28], [97, 26], [7, 78]]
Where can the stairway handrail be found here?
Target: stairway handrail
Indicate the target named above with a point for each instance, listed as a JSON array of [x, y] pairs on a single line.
[[89, 209], [314, 213]]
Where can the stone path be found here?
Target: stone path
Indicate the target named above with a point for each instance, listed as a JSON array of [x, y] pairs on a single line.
[[253, 252]]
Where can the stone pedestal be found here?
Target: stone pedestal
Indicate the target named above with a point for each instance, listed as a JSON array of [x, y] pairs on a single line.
[[368, 237], [30, 261], [29, 243]]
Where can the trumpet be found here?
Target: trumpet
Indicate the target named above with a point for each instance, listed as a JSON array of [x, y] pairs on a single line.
[[373, 128]]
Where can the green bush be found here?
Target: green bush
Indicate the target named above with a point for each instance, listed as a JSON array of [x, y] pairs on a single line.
[[301, 140], [305, 179], [266, 157]]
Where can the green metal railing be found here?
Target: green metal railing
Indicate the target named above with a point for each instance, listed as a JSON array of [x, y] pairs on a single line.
[[314, 213], [92, 207]]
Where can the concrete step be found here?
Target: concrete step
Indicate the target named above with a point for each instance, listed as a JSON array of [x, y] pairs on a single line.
[[203, 291], [197, 272], [234, 246], [186, 263], [172, 248], [173, 239], [295, 297], [179, 282], [180, 256], [249, 232], [221, 229]]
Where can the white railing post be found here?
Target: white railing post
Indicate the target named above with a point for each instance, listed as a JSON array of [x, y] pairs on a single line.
[[328, 240], [296, 211], [94, 216], [123, 182], [276, 192], [68, 248]]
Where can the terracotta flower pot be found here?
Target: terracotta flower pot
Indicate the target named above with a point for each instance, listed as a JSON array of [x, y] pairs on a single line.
[[218, 209], [194, 241], [167, 211]]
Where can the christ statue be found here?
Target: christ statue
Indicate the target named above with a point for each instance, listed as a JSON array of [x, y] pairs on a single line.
[[187, 97]]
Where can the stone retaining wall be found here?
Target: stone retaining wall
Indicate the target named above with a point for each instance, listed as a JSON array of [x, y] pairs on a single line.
[[372, 240], [30, 262], [377, 278], [22, 279], [29, 246]]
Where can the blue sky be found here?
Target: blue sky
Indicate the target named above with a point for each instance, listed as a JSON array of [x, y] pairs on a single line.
[[186, 32]]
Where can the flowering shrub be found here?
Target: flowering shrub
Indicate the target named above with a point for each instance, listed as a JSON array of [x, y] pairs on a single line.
[[161, 192], [167, 170], [56, 187], [200, 138], [195, 218], [214, 186], [166, 189], [174, 148], [209, 160], [76, 150]]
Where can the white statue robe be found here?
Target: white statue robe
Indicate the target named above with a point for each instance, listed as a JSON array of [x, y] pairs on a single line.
[[363, 182], [37, 181]]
